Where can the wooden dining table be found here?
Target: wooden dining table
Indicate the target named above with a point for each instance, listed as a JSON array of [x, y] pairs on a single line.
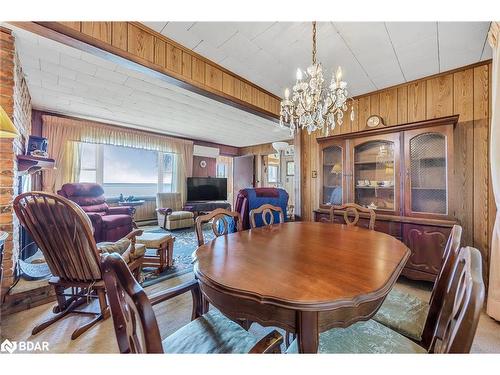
[[304, 277]]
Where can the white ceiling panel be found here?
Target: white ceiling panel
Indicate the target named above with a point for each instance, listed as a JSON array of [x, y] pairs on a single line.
[[416, 47], [459, 42], [93, 88], [216, 33], [180, 32], [372, 46]]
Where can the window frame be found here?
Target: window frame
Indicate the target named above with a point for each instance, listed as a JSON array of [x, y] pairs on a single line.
[[160, 155], [269, 174]]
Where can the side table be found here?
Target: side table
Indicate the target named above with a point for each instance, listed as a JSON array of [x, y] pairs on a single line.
[[164, 245]]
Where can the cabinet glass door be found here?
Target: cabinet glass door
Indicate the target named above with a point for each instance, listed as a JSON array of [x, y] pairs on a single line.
[[428, 174], [332, 175], [375, 175]]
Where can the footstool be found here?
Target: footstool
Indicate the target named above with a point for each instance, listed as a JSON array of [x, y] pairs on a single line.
[[164, 245]]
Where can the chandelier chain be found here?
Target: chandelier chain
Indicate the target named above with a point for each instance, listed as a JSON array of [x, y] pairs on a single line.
[[314, 44]]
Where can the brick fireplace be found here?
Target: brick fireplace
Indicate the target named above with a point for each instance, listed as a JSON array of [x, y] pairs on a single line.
[[16, 101]]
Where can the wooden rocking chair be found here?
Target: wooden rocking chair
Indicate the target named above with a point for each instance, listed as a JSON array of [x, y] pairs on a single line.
[[63, 232]]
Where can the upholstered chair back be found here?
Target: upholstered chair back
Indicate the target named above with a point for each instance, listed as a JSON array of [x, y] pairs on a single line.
[[89, 196], [169, 200]]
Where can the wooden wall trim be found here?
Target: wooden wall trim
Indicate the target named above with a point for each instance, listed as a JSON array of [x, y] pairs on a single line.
[[405, 84], [135, 46]]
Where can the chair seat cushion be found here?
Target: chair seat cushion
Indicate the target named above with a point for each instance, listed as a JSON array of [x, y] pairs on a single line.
[[119, 246], [180, 215], [363, 337], [211, 333], [403, 313], [113, 221], [153, 240], [123, 247]]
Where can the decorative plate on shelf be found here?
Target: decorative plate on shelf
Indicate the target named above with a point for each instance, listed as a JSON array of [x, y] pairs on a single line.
[[374, 121]]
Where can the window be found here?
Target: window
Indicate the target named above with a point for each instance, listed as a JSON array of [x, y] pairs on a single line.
[[88, 158], [126, 170], [222, 170], [272, 174]]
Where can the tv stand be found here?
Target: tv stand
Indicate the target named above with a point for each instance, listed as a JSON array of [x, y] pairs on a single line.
[[201, 207]]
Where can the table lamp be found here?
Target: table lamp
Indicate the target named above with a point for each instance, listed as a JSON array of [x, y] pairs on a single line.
[[7, 128]]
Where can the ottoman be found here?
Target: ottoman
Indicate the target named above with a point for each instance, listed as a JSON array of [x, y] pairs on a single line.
[[164, 245]]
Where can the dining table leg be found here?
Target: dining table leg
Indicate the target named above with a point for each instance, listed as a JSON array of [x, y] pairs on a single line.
[[307, 331]]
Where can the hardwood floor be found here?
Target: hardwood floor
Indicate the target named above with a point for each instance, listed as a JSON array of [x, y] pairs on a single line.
[[171, 316]]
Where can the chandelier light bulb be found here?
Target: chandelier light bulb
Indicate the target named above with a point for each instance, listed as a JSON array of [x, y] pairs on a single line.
[[352, 113], [338, 74], [287, 93], [298, 74]]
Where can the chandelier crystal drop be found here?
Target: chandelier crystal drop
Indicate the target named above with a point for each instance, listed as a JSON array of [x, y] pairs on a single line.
[[310, 105]]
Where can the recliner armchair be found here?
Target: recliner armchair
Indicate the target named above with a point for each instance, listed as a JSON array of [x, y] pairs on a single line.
[[110, 223], [170, 212]]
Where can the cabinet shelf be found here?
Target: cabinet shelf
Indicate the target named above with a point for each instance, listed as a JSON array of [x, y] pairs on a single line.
[[428, 188], [375, 187], [373, 162]]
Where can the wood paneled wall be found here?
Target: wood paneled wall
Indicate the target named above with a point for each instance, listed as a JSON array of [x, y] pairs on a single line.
[[210, 170], [136, 42], [465, 92]]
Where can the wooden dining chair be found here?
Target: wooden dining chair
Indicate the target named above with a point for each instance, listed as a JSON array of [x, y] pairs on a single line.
[[352, 210], [408, 314], [136, 327], [266, 210], [63, 232], [221, 220], [456, 321]]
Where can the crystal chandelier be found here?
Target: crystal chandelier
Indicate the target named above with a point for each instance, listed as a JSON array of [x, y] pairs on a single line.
[[311, 105]]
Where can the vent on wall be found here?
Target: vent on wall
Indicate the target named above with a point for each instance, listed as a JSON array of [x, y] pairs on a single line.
[[208, 152]]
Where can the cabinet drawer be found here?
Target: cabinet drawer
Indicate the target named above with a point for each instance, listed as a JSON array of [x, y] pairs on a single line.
[[427, 246]]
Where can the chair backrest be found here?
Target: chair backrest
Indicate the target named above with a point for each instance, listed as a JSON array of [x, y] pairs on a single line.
[[463, 300], [134, 320], [221, 220], [353, 209], [266, 210], [450, 255], [63, 232], [89, 196], [169, 200], [251, 198]]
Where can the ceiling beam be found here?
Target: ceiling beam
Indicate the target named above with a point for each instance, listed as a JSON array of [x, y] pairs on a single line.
[[137, 47]]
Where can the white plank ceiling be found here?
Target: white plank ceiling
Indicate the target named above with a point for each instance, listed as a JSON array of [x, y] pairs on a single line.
[[373, 55], [65, 80]]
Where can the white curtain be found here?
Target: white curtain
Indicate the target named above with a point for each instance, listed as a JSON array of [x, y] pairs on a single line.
[[183, 170], [493, 303], [64, 133]]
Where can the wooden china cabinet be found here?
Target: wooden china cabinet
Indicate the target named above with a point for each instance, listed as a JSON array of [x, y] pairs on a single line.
[[405, 173]]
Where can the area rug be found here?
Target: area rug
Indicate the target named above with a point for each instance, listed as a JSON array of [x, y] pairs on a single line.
[[184, 246]]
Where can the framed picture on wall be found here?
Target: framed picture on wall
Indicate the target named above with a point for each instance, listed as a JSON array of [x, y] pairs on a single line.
[[290, 168]]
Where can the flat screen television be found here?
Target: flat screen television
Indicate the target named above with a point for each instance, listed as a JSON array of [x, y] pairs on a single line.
[[206, 189]]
